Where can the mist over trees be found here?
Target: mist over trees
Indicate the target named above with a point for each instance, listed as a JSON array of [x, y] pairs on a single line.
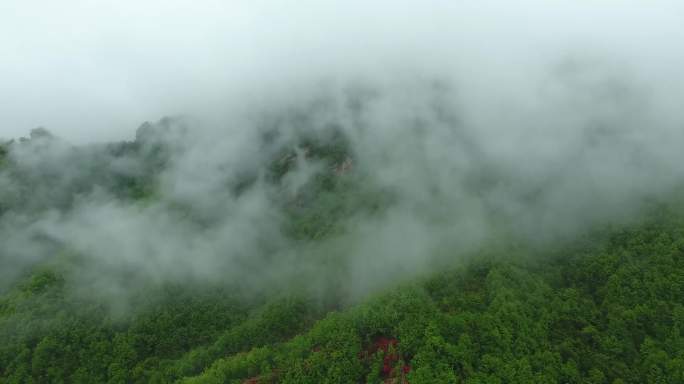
[[341, 192], [318, 251]]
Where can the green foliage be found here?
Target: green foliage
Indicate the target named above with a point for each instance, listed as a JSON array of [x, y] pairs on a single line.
[[612, 313], [609, 309], [4, 150]]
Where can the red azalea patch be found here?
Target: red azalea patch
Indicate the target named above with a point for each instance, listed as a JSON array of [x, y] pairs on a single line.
[[391, 358]]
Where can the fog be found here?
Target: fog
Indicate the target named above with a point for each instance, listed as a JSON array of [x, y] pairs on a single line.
[[93, 71], [472, 119]]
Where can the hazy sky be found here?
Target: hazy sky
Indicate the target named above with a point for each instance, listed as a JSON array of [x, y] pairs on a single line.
[[94, 70]]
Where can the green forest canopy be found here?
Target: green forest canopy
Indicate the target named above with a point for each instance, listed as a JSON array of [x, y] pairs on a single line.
[[606, 308]]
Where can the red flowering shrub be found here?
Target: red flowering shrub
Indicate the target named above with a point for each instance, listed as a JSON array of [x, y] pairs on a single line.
[[392, 370]]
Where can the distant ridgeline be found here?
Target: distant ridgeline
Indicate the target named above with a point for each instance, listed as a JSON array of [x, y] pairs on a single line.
[[43, 177], [48, 173]]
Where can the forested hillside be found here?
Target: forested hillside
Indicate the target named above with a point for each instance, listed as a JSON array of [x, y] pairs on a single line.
[[605, 305], [341, 192]]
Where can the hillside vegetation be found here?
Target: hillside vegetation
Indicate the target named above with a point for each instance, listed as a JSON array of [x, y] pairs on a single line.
[[606, 307]]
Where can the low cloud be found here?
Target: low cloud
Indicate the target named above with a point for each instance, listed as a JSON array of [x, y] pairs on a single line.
[[445, 125]]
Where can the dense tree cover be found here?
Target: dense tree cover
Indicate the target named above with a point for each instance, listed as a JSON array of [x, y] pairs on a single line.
[[606, 308], [608, 311]]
